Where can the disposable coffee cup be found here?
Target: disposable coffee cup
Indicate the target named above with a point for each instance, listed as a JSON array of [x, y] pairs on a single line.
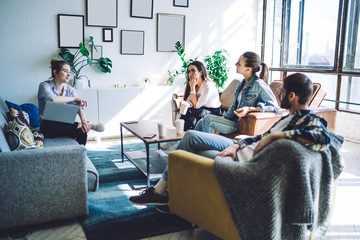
[[184, 107], [162, 129], [179, 124]]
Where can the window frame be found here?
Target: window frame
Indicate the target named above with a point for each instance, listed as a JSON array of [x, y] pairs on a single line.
[[336, 69]]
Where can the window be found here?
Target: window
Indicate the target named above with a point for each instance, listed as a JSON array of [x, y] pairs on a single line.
[[323, 42], [352, 42]]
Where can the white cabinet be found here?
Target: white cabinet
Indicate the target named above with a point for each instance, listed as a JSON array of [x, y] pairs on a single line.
[[114, 105], [117, 105]]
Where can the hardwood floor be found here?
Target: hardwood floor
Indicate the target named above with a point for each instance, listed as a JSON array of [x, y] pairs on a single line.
[[345, 220]]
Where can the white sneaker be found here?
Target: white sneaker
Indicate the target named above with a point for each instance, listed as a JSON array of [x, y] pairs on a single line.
[[169, 145], [99, 127]]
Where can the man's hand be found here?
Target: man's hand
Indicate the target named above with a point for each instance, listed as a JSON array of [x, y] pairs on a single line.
[[230, 151], [266, 140]]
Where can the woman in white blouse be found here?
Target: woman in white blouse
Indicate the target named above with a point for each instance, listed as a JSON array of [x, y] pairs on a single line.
[[201, 93]]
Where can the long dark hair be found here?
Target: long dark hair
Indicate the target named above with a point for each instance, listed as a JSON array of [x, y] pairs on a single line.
[[253, 60], [57, 65], [204, 76]]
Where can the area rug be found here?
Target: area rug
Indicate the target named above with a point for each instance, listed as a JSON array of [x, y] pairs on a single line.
[[111, 214]]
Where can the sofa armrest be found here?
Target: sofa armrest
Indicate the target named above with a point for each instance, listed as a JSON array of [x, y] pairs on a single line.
[[195, 195], [256, 123], [42, 185], [259, 122]]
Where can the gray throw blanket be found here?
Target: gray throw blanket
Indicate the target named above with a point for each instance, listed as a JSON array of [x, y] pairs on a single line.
[[283, 191]]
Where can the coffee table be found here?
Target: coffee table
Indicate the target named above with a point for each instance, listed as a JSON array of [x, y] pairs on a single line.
[[151, 162]]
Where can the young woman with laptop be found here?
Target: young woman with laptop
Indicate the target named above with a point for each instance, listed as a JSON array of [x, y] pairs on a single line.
[[57, 90]]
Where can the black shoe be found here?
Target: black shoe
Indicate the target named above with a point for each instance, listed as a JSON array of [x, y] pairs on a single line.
[[163, 209], [149, 197]]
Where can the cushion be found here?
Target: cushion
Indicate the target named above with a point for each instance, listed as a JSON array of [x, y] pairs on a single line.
[[19, 134], [30, 109]]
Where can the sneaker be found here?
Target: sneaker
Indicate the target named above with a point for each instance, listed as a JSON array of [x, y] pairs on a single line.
[[149, 197], [163, 209], [99, 127], [169, 145]]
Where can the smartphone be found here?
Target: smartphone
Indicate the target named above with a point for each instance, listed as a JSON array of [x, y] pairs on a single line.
[[131, 122], [149, 135]]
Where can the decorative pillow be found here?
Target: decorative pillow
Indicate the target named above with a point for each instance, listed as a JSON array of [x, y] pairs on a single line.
[[19, 134], [30, 108]]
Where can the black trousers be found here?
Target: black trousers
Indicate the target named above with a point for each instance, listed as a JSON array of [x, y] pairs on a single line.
[[52, 129], [193, 115]]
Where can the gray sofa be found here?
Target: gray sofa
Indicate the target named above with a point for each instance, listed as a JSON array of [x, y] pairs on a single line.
[[41, 185]]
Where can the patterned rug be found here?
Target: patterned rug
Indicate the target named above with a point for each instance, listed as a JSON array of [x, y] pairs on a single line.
[[111, 214]]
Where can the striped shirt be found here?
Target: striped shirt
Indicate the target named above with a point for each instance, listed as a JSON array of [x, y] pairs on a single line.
[[305, 124]]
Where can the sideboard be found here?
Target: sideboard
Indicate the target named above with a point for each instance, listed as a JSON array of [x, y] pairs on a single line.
[[111, 106]]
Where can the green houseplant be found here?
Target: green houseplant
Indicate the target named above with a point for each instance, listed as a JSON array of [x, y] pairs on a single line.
[[81, 58], [217, 66]]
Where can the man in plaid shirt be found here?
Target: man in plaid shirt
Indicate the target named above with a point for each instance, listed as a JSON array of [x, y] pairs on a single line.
[[301, 125]]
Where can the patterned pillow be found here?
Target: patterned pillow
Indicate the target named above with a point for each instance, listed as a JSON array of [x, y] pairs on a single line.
[[19, 134]]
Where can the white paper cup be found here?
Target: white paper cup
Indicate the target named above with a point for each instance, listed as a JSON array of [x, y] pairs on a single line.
[[184, 107], [179, 124], [162, 129]]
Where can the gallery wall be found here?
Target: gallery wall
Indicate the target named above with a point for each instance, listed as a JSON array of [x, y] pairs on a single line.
[[29, 40]]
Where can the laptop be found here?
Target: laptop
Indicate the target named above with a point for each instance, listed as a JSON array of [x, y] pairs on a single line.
[[60, 112]]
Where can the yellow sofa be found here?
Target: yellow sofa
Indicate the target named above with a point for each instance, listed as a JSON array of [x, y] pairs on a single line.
[[200, 178]]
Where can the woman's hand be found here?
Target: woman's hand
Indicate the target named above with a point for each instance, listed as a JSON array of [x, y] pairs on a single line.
[[230, 151], [193, 83], [81, 102], [85, 126], [241, 112]]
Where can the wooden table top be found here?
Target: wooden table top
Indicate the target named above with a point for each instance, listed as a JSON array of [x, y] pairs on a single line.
[[145, 127]]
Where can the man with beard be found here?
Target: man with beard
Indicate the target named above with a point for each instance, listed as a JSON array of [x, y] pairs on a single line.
[[300, 125]]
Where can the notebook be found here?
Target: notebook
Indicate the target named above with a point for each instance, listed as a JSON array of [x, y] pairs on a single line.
[[60, 112]]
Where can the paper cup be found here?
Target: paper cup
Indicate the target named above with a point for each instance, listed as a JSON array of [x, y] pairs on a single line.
[[162, 129], [184, 107], [179, 124]]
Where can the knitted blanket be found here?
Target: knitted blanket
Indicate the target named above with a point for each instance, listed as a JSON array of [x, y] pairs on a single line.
[[282, 191]]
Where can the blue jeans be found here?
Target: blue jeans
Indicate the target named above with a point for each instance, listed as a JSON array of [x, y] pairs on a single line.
[[204, 144], [212, 123]]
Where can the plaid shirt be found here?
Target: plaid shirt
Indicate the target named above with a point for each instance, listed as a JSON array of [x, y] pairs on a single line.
[[305, 124]]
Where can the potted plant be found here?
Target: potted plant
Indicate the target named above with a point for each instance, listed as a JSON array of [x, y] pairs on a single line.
[[81, 59]]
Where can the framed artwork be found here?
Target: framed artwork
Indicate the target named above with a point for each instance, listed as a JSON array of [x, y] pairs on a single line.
[[181, 3], [142, 8], [102, 13], [96, 52], [132, 42], [107, 34], [170, 29], [70, 30]]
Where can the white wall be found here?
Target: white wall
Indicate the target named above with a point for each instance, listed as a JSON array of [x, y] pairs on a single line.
[[29, 39]]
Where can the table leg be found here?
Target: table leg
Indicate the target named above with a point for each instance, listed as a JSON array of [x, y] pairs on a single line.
[[122, 143], [147, 164]]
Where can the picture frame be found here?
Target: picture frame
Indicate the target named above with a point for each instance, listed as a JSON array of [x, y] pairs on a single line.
[[70, 30], [132, 42], [107, 34], [181, 3], [142, 8], [96, 54], [170, 29], [102, 13]]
